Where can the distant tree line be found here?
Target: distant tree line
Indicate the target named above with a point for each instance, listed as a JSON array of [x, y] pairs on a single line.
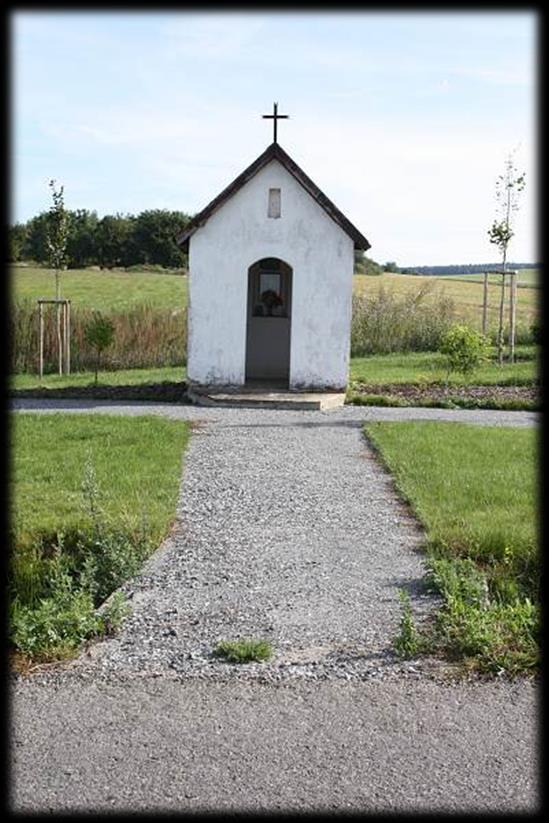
[[114, 240], [365, 265], [465, 268]]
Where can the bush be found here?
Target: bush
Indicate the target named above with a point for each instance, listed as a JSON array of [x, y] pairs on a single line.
[[464, 348], [55, 625]]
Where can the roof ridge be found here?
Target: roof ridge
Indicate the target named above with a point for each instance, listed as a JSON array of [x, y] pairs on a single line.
[[275, 151]]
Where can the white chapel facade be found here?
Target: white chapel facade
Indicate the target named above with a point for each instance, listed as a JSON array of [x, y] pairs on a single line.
[[271, 264]]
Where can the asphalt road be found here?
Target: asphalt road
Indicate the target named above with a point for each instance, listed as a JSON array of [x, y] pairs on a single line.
[[164, 745]]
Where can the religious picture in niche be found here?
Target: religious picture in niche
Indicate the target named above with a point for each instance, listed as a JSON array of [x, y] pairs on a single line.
[[270, 300]]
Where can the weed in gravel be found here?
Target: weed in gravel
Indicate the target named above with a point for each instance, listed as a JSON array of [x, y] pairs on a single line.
[[244, 651], [406, 643]]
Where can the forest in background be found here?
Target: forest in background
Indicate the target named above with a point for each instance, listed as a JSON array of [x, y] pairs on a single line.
[[119, 240], [148, 238]]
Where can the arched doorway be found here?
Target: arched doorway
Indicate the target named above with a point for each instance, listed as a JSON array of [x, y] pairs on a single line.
[[269, 321]]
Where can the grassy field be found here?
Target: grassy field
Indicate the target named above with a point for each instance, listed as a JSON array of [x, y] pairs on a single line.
[[474, 490], [91, 497], [466, 294], [413, 367], [527, 278], [104, 290]]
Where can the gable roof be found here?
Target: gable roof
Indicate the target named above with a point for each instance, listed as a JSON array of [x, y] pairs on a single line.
[[275, 152]]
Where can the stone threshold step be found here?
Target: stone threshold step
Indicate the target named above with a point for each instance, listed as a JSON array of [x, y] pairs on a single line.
[[301, 401]]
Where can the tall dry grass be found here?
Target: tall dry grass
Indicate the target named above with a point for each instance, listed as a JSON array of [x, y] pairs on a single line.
[[387, 322], [145, 337], [149, 337]]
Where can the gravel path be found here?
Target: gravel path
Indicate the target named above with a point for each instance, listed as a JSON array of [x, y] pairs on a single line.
[[288, 529]]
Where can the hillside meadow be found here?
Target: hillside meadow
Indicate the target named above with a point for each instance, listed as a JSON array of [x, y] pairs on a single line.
[[106, 290], [527, 278], [118, 289], [465, 292]]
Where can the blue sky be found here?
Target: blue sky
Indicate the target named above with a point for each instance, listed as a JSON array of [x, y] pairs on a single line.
[[403, 119]]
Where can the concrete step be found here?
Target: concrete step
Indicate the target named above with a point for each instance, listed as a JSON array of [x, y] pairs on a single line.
[[312, 401]]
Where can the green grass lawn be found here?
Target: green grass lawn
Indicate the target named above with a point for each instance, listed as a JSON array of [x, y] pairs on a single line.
[[475, 491], [137, 461], [413, 367], [123, 377], [418, 367]]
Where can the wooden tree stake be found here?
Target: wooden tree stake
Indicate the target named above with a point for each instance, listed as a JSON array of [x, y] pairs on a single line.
[[41, 348], [512, 315], [485, 304]]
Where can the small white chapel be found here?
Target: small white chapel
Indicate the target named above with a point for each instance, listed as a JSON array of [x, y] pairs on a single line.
[[271, 263]]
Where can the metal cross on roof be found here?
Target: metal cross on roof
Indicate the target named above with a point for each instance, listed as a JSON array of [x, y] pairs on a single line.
[[274, 117]]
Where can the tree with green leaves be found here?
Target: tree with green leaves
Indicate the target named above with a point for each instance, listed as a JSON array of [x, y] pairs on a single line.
[[17, 237], [35, 245], [82, 238], [155, 231], [99, 334], [509, 186], [115, 243], [57, 235]]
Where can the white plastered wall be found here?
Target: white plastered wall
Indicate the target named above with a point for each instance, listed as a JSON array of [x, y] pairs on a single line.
[[321, 255]]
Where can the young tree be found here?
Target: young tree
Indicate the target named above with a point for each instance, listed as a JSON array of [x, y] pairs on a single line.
[[57, 235], [99, 334], [509, 185], [56, 242]]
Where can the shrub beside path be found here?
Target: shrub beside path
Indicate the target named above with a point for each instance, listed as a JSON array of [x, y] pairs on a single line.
[[288, 529]]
